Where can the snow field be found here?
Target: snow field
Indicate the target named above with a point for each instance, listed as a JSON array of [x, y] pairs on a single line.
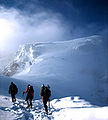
[[69, 108]]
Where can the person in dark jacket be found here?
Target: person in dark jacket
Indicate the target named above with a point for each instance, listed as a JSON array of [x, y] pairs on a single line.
[[13, 91], [45, 93], [30, 95]]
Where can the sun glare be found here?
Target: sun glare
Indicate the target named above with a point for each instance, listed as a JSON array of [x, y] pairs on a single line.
[[5, 31]]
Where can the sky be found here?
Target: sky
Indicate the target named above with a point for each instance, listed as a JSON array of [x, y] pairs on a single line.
[[31, 21]]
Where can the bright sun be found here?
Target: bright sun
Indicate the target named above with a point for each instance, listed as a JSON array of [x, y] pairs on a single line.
[[5, 31]]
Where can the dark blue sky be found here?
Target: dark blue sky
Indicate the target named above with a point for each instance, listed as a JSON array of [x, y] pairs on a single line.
[[91, 15]]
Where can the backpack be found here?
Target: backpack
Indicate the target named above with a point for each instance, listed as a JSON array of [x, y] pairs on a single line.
[[47, 93], [31, 90], [13, 89]]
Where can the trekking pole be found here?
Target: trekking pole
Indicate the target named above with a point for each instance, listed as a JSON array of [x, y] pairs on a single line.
[[49, 103]]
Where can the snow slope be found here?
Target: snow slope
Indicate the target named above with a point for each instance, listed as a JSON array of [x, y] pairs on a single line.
[[69, 108], [75, 67]]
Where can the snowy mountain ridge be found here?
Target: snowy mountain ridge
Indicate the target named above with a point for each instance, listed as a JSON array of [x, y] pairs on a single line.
[[72, 68], [30, 54]]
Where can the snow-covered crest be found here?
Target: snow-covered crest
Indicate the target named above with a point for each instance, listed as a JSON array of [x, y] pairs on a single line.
[[77, 66], [30, 54]]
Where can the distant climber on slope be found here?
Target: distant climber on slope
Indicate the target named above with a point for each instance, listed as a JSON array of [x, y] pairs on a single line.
[[45, 93], [13, 91], [30, 95]]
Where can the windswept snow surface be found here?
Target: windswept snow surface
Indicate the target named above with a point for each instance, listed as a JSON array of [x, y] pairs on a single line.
[[69, 108], [75, 67]]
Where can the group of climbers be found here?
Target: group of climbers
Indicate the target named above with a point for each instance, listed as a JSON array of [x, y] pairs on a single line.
[[45, 94]]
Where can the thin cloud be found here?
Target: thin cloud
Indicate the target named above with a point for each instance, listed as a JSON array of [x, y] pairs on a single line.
[[40, 27]]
